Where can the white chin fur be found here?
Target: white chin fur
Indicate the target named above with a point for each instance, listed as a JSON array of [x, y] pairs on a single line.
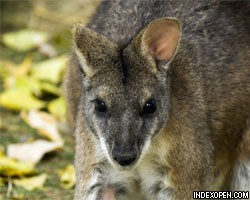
[[241, 176]]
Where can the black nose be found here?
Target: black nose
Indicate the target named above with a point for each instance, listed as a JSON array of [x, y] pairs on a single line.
[[124, 158]]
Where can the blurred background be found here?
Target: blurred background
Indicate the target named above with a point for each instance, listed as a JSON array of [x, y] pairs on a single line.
[[36, 146]]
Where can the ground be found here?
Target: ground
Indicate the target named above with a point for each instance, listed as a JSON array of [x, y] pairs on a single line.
[[57, 18], [15, 130]]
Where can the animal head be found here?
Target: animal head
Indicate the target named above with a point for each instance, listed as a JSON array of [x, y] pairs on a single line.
[[126, 91]]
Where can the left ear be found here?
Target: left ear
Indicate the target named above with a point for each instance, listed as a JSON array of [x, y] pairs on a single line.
[[160, 39]]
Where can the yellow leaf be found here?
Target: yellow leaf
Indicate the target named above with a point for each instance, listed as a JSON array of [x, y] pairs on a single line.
[[1, 181], [4, 68], [23, 83], [57, 108], [32, 151], [45, 123], [50, 70], [50, 88], [24, 40], [68, 176], [21, 69], [11, 167], [32, 182], [20, 99], [1, 147]]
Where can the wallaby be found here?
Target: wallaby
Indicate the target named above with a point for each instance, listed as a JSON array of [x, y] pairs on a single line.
[[158, 96]]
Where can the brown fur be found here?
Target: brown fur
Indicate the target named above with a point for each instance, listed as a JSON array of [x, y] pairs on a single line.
[[205, 129]]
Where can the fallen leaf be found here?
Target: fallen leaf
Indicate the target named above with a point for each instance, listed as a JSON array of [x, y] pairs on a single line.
[[1, 147], [11, 167], [20, 99], [24, 40], [50, 88], [57, 107], [16, 76], [4, 68], [50, 70], [45, 123], [31, 183], [48, 50], [25, 83], [21, 69], [1, 181], [32, 151], [68, 176]]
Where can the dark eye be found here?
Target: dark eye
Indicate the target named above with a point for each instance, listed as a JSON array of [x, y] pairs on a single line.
[[100, 105], [149, 107]]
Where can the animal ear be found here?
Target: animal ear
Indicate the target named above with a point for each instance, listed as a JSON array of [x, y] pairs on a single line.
[[93, 50], [160, 39]]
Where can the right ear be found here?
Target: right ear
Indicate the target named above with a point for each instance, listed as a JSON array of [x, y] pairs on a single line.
[[159, 41], [92, 49]]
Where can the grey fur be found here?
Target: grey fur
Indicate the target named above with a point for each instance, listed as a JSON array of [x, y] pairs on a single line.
[[203, 97]]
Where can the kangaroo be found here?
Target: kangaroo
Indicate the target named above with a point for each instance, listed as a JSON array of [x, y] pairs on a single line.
[[158, 96]]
